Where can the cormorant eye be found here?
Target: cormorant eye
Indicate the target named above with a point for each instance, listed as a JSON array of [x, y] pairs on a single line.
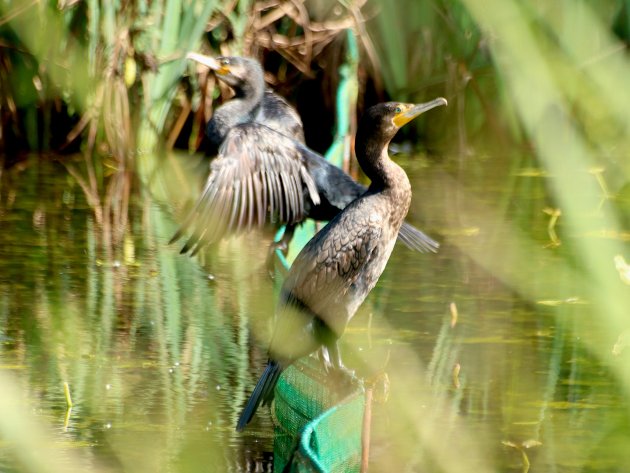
[[225, 61], [398, 110]]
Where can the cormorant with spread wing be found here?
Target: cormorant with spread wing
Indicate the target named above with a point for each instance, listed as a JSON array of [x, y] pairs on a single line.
[[262, 170]]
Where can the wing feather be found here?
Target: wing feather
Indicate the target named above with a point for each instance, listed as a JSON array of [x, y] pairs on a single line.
[[288, 196], [250, 202], [273, 201], [241, 216], [258, 175], [235, 205]]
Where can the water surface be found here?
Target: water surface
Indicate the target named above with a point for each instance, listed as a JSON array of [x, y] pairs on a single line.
[[160, 350]]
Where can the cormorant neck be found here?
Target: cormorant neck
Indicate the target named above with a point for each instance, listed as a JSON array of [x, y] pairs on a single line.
[[388, 178], [251, 91], [241, 108], [371, 152]]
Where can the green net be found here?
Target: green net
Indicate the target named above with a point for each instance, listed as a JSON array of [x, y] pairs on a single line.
[[317, 425]]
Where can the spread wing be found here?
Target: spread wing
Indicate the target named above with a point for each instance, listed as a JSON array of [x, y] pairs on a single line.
[[276, 113], [259, 174], [336, 270]]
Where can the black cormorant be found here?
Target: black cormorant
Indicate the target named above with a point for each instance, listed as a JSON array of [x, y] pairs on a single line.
[[340, 265], [263, 170]]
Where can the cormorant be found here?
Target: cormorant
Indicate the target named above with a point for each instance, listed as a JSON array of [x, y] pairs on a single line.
[[263, 170], [340, 265]]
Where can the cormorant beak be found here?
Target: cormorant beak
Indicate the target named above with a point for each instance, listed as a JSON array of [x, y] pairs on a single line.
[[408, 114], [208, 61]]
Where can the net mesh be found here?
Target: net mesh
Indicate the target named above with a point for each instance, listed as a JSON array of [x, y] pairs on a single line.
[[317, 424]]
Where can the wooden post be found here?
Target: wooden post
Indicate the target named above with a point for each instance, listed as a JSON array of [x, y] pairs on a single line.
[[365, 433]]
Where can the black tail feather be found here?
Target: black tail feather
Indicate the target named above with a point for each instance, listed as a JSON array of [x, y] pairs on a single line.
[[263, 392]]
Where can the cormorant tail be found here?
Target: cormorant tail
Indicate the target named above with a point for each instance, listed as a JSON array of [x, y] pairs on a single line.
[[263, 392]]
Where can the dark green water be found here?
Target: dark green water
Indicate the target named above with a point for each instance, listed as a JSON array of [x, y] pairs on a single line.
[[160, 358]]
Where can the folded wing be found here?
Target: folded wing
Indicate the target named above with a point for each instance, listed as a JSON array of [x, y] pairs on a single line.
[[328, 281]]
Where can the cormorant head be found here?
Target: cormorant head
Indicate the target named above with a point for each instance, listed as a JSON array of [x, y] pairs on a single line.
[[380, 123], [387, 118], [240, 73]]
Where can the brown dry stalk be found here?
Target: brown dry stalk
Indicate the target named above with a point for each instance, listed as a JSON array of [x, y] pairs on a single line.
[[298, 50], [91, 194], [179, 124]]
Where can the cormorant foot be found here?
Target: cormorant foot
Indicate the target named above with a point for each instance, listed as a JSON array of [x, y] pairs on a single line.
[[338, 374], [345, 380]]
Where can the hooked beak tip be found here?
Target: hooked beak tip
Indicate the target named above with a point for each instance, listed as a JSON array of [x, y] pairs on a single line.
[[419, 109], [205, 60], [423, 107]]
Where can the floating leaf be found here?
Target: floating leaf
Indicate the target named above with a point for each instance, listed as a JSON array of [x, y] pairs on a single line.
[[456, 370], [622, 342], [531, 443], [532, 172], [454, 314]]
